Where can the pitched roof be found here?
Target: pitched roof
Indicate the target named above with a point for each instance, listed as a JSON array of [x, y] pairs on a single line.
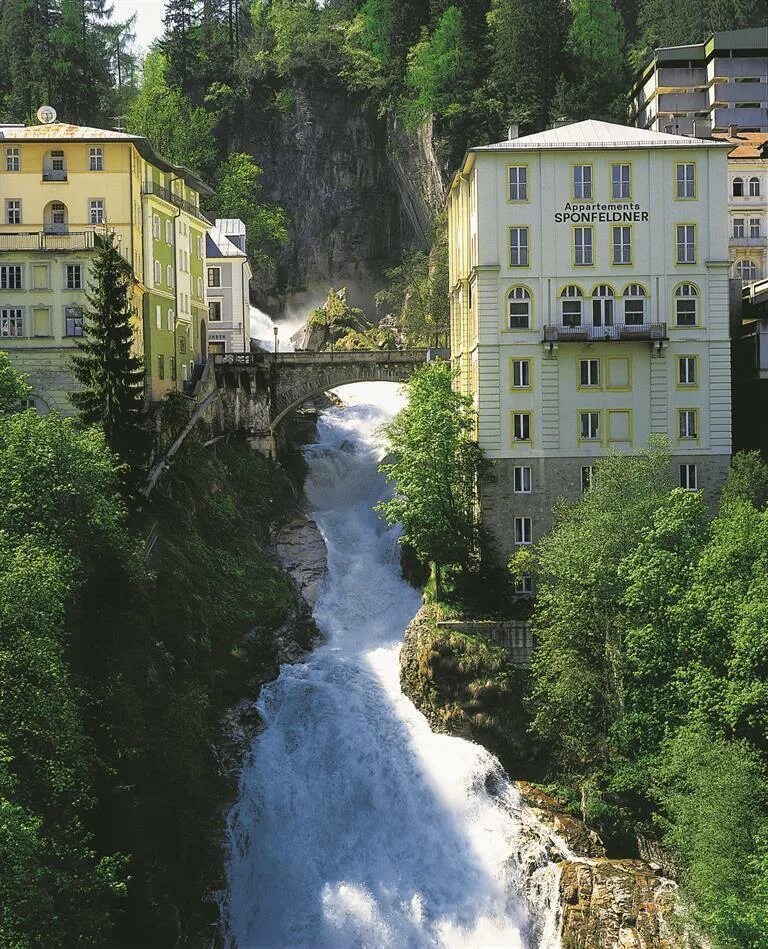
[[594, 134], [217, 244], [747, 144], [62, 131]]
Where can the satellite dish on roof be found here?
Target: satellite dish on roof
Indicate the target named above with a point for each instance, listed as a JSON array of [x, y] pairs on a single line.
[[46, 114]]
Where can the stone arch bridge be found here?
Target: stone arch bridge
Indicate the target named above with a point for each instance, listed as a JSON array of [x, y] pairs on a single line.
[[253, 393], [271, 386]]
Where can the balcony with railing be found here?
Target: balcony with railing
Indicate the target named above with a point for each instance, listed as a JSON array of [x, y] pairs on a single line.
[[756, 241], [160, 191], [47, 241], [622, 332]]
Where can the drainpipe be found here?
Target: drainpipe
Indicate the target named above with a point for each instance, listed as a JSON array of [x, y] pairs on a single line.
[[246, 307]]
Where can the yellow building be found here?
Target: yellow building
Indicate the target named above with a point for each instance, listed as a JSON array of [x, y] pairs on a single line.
[[589, 310], [60, 185]]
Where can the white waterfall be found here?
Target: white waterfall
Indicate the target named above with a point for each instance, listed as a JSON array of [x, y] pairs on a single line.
[[356, 826]]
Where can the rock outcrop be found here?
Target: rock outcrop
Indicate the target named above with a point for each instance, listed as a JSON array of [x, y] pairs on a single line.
[[302, 554], [603, 903]]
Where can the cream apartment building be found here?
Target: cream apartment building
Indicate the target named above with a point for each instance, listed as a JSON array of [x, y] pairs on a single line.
[[589, 310], [228, 277]]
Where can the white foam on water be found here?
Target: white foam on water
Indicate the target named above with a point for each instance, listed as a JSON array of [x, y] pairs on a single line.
[[356, 826]]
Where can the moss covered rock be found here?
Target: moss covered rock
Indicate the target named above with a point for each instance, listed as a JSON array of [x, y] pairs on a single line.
[[467, 686]]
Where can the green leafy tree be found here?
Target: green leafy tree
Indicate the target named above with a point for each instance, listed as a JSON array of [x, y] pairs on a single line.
[[527, 38], [109, 373], [712, 798], [162, 113], [747, 480], [577, 689], [13, 385], [596, 46], [416, 299], [435, 471], [238, 188]]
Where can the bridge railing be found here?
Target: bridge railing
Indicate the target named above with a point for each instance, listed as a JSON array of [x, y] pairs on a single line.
[[358, 356]]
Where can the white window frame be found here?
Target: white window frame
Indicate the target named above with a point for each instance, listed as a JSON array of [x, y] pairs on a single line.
[[621, 187], [738, 227], [687, 374], [587, 476], [634, 294], [570, 314], [168, 232], [754, 187], [13, 158], [737, 187], [214, 277], [11, 276], [156, 226], [519, 433], [76, 272], [754, 227], [582, 182], [214, 306], [96, 158], [96, 212], [169, 274], [583, 246], [687, 424], [519, 249], [523, 527], [74, 321], [521, 479], [621, 249], [170, 321], [158, 273], [686, 183], [589, 432], [686, 248], [521, 373], [746, 269], [519, 185], [158, 316], [524, 585], [692, 295], [11, 322], [520, 298], [13, 210], [591, 375], [689, 477]]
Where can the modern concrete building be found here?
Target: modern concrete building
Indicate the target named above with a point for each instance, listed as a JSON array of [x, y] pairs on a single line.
[[228, 278], [716, 86], [60, 186], [747, 204], [589, 310]]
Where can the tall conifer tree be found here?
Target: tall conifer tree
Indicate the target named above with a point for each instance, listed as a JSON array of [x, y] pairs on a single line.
[[110, 374]]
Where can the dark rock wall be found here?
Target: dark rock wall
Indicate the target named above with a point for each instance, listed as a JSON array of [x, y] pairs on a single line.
[[357, 192]]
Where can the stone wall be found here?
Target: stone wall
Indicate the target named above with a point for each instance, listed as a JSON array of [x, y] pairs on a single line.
[[556, 477], [514, 635], [49, 375]]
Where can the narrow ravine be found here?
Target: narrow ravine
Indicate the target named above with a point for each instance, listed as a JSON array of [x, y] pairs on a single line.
[[356, 825]]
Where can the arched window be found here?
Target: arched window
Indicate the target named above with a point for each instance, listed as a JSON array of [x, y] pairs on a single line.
[[754, 187], [519, 308], [602, 305], [746, 270], [738, 187], [634, 304], [571, 305], [686, 304], [56, 218]]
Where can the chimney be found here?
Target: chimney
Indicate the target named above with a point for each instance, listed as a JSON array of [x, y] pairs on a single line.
[[733, 131], [563, 120], [513, 131]]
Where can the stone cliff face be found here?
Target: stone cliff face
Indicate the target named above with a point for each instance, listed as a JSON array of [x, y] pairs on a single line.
[[357, 189]]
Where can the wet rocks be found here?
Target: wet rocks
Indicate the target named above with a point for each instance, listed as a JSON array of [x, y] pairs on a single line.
[[302, 554]]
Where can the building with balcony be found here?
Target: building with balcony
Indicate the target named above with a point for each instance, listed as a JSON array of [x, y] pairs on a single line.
[[747, 204], [60, 186], [228, 277], [716, 86], [589, 310]]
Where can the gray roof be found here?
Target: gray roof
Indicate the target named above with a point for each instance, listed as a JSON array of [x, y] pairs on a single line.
[[594, 134], [217, 244]]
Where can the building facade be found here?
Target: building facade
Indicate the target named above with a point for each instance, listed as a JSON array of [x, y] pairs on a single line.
[[61, 186], [707, 87], [228, 278], [747, 204], [589, 310]]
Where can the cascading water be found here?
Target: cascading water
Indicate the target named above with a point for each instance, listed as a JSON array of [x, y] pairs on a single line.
[[356, 826]]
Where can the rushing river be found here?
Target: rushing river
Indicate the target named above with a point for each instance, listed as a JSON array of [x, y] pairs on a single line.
[[356, 826]]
